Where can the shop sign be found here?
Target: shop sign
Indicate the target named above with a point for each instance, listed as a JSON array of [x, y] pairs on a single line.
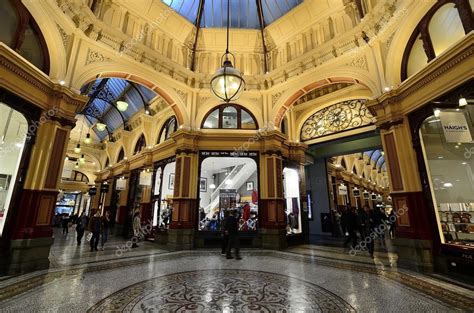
[[92, 191], [455, 127], [342, 190], [145, 178], [104, 188], [121, 184], [229, 154]]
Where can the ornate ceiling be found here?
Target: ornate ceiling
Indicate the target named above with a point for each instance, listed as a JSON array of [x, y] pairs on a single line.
[[244, 13]]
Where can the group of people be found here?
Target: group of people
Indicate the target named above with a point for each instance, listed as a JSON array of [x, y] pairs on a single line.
[[369, 224], [230, 234], [98, 225]]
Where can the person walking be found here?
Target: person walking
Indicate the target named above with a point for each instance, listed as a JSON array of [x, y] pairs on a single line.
[[349, 220], [392, 223], [232, 230], [95, 225], [365, 227], [137, 225], [225, 236], [81, 223], [65, 224], [105, 229], [379, 224]]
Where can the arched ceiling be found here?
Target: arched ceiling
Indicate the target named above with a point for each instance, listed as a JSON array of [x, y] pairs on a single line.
[[243, 13], [103, 95]]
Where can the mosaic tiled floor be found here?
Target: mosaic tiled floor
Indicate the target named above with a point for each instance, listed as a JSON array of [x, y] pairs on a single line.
[[204, 281]]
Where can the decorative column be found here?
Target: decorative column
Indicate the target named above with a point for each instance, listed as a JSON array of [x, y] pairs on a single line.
[[271, 203], [31, 231], [414, 232], [185, 203]]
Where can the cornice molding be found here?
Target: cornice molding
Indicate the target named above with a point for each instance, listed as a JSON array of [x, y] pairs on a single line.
[[48, 94]]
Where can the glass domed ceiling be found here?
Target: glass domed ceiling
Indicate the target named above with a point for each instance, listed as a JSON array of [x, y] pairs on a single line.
[[243, 13]]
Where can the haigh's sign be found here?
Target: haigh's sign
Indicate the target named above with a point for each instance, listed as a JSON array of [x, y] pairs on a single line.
[[455, 127]]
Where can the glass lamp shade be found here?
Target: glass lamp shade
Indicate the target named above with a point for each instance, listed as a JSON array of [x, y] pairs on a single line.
[[227, 84], [122, 106], [100, 127], [462, 102], [76, 165], [77, 149], [88, 139], [82, 159]]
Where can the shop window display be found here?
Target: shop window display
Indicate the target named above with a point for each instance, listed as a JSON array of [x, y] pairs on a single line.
[[450, 163], [162, 194], [292, 200], [13, 132], [228, 183]]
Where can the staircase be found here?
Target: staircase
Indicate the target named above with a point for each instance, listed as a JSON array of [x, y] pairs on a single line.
[[239, 175]]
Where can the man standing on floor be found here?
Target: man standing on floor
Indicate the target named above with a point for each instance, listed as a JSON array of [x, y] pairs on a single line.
[[81, 224], [95, 226], [232, 230]]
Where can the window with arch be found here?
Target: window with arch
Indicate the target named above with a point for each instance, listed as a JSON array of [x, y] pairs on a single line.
[[229, 116], [170, 126], [21, 33], [446, 22], [140, 145], [79, 177], [121, 155]]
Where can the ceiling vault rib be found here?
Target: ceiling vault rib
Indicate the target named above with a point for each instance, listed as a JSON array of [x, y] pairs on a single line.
[[198, 27], [261, 20]]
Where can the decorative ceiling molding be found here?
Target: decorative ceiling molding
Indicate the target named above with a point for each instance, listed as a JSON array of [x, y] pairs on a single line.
[[94, 56], [360, 62]]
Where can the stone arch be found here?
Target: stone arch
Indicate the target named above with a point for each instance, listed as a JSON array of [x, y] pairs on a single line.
[[115, 70], [302, 119], [401, 38], [342, 76], [155, 136], [52, 37], [135, 142]]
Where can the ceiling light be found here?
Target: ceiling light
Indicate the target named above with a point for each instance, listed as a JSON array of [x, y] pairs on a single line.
[[464, 163], [100, 127], [77, 165], [62, 82], [227, 84], [82, 159], [122, 106], [66, 159], [447, 185], [147, 112], [462, 102], [436, 112], [19, 145], [212, 186], [228, 182], [88, 139], [77, 149], [387, 89]]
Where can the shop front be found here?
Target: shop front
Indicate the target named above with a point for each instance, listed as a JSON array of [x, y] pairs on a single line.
[[228, 182], [443, 138], [162, 196]]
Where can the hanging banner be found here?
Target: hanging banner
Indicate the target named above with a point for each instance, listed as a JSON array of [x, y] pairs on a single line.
[[121, 184], [455, 127], [145, 178]]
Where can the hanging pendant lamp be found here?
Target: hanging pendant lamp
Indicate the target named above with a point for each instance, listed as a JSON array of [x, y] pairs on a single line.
[[227, 84]]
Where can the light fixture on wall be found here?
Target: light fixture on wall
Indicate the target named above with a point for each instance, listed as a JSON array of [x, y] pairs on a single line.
[[227, 83]]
